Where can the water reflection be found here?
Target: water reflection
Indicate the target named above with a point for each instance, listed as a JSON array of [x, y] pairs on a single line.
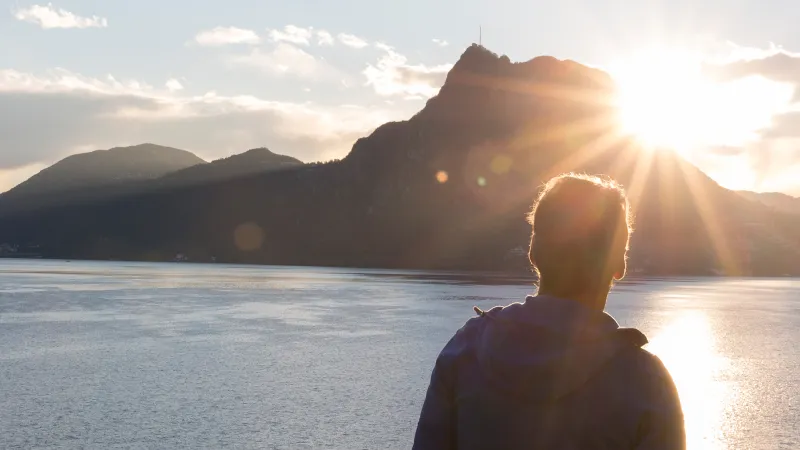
[[687, 347]]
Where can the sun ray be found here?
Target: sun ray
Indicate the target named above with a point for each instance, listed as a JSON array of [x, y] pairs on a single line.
[[591, 150], [600, 93], [709, 215]]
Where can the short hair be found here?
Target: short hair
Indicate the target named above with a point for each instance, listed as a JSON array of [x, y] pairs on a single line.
[[580, 223]]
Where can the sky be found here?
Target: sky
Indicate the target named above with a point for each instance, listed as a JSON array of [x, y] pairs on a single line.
[[308, 77]]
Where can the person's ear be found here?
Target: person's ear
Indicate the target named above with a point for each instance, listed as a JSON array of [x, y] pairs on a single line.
[[621, 252]]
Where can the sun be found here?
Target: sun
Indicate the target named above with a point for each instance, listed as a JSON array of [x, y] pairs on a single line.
[[654, 101], [665, 100]]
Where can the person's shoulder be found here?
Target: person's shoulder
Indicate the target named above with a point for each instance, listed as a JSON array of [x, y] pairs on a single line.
[[465, 337], [650, 377], [652, 365], [642, 362]]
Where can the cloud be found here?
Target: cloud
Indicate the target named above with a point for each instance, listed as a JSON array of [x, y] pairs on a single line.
[[784, 125], [750, 80], [286, 59], [352, 40], [292, 34], [13, 177], [48, 17], [776, 164], [775, 64], [324, 38], [726, 150], [440, 42], [219, 36], [78, 111], [173, 85], [392, 75]]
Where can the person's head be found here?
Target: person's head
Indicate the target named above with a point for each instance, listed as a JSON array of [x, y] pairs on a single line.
[[581, 228]]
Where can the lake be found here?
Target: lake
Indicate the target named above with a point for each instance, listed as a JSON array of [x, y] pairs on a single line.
[[128, 355]]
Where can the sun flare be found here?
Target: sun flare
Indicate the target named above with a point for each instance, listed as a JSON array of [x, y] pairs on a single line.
[[666, 100]]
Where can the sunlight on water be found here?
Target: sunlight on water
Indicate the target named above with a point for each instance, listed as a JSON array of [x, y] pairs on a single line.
[[687, 348]]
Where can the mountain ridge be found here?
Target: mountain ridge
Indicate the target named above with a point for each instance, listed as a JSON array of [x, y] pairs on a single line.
[[777, 200], [496, 131], [103, 167], [250, 162], [119, 181]]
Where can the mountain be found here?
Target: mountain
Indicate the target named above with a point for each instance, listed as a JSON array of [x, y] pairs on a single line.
[[107, 167], [447, 188], [127, 171], [776, 200], [258, 160]]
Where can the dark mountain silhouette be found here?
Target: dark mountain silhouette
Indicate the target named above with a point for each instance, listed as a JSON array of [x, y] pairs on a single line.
[[124, 172], [257, 160], [107, 167], [448, 188], [775, 200]]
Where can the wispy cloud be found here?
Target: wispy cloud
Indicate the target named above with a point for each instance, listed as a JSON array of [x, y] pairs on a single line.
[[292, 34], [772, 160], [49, 17], [173, 85], [219, 36], [393, 75], [324, 38], [287, 59], [78, 110], [12, 177], [352, 41], [773, 63], [440, 42]]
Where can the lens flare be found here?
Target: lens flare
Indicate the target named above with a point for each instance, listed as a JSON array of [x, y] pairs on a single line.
[[501, 164], [248, 237]]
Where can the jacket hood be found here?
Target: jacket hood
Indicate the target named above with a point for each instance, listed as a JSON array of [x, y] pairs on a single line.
[[547, 347]]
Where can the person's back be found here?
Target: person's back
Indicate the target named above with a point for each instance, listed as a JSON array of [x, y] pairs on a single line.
[[556, 372]]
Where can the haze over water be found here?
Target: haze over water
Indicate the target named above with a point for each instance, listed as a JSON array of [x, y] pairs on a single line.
[[121, 355]]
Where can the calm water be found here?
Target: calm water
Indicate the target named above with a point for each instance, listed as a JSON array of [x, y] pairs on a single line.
[[99, 355]]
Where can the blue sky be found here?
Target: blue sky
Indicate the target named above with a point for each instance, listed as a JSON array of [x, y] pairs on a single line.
[[306, 78]]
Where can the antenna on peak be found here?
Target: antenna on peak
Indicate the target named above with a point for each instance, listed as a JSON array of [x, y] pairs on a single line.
[[480, 35]]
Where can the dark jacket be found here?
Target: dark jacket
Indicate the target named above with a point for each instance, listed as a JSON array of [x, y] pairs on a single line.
[[549, 374]]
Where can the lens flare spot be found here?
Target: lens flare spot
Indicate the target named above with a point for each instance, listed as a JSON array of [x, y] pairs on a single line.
[[248, 237], [481, 181], [501, 164], [442, 177]]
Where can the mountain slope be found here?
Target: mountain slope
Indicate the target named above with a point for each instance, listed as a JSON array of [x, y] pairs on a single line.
[[258, 160], [498, 130], [107, 167], [776, 200], [108, 174]]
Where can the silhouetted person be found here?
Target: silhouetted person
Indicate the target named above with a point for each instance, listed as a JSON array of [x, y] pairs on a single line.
[[556, 372]]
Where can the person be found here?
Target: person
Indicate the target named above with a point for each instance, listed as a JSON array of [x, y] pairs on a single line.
[[557, 372]]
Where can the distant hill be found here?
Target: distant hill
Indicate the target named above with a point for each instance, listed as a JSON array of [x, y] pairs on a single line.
[[107, 174], [446, 189], [107, 167], [775, 200], [258, 160]]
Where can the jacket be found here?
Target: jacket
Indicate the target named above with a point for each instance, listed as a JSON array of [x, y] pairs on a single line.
[[549, 373]]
